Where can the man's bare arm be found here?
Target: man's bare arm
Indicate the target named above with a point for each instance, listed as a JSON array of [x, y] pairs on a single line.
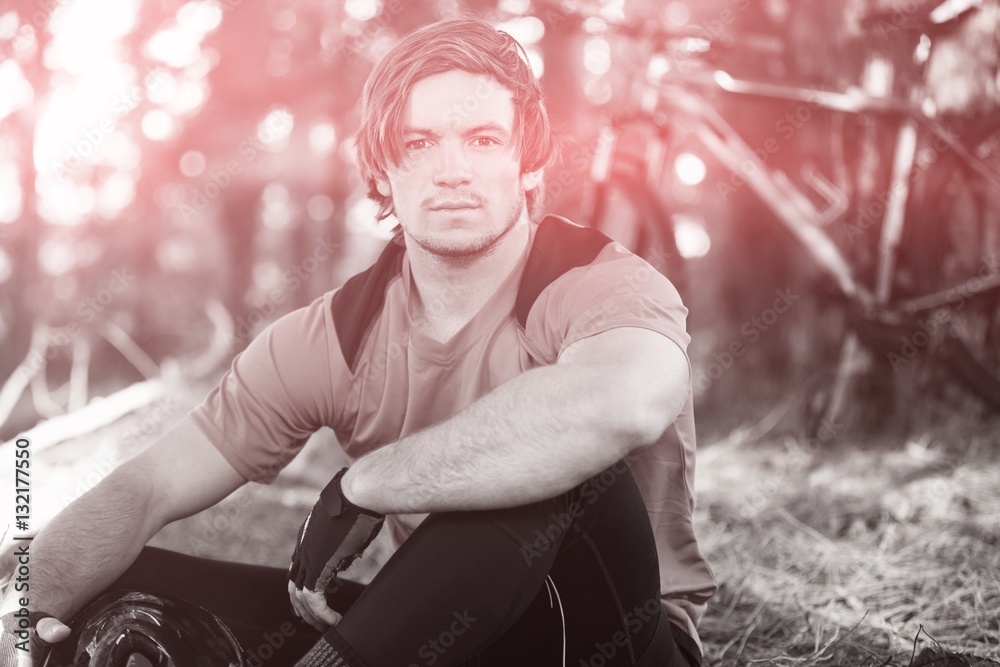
[[536, 436], [94, 540]]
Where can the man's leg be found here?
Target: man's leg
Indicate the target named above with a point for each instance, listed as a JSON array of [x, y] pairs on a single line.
[[607, 577], [573, 578], [457, 585]]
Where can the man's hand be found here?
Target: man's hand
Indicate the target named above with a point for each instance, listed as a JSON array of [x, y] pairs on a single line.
[[332, 537], [26, 638]]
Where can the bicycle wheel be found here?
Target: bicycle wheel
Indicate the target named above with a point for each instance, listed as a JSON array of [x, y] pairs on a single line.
[[974, 341], [955, 244]]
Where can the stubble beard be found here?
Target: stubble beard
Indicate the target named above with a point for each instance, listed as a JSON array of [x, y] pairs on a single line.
[[478, 247]]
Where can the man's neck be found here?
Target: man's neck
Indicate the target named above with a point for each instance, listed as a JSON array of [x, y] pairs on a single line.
[[450, 291]]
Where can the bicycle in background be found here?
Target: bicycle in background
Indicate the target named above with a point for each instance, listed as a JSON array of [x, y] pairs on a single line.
[[934, 283]]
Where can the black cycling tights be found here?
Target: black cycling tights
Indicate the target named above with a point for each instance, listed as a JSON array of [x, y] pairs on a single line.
[[568, 581]]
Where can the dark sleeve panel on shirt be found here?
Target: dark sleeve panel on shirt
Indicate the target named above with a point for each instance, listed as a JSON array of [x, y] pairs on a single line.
[[617, 290], [275, 395]]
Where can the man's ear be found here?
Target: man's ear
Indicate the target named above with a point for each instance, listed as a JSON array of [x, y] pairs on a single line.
[[383, 187], [531, 179]]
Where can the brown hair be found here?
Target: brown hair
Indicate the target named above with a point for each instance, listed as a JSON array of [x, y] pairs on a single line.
[[462, 43]]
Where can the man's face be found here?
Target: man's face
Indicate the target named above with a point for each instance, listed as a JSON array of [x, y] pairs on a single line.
[[459, 189]]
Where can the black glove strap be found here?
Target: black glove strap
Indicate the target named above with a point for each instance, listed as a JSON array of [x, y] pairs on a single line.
[[334, 501], [334, 534]]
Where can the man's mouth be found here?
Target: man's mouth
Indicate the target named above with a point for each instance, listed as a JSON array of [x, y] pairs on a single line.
[[454, 205]]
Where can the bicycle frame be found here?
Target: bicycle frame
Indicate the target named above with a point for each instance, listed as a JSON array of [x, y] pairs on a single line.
[[793, 207]]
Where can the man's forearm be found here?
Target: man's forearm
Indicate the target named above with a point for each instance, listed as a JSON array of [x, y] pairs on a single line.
[[86, 547], [538, 435]]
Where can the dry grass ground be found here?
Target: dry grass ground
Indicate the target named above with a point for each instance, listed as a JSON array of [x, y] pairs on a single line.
[[834, 553], [851, 553]]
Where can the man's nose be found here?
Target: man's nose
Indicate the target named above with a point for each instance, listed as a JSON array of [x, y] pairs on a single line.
[[452, 168]]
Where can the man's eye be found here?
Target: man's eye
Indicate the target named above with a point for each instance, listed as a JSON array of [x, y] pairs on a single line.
[[485, 142], [416, 145]]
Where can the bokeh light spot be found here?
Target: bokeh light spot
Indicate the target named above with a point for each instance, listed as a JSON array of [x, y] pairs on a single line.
[[320, 208], [275, 127], [85, 33], [658, 67], [188, 97], [193, 164], [361, 219], [63, 202], [348, 150], [322, 136], [525, 29], [176, 255], [362, 10], [17, 92], [276, 216], [691, 236], [56, 256], [690, 169], [8, 25], [267, 275], [597, 55], [598, 91], [613, 10], [515, 6], [535, 61], [203, 17], [158, 125], [277, 213], [677, 13], [284, 20], [176, 47], [115, 194], [275, 193], [160, 85], [278, 64]]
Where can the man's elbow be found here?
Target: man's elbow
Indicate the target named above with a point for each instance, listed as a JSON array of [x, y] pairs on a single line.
[[649, 411], [645, 424]]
